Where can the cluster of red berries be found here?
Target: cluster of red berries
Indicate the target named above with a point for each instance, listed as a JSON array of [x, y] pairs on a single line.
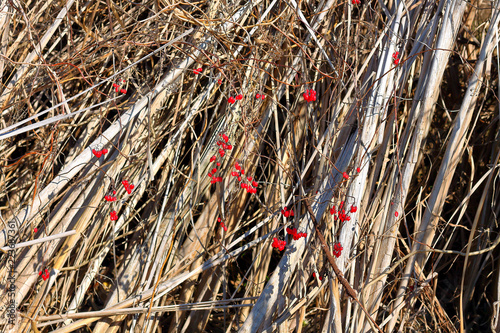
[[310, 95], [395, 56], [252, 185], [232, 100], [320, 277], [197, 71], [257, 96], [296, 235], [222, 151], [222, 224], [45, 275], [110, 198], [337, 250], [356, 2], [117, 87], [128, 187], [279, 244], [286, 212], [223, 146], [341, 214], [345, 175], [99, 153]]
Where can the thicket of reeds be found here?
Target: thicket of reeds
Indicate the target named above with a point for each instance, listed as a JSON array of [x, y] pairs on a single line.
[[405, 128]]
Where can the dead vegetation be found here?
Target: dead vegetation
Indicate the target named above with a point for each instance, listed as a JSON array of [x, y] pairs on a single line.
[[421, 249]]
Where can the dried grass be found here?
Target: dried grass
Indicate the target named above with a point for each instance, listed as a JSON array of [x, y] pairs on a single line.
[[420, 250]]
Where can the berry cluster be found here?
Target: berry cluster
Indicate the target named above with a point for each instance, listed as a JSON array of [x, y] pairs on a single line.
[[128, 187], [223, 147], [320, 277], [222, 151], [341, 214], [197, 71], [232, 100], [99, 153], [286, 212], [110, 198], [310, 95], [395, 56], [113, 216], [345, 175], [252, 185], [279, 244], [337, 250], [296, 235], [222, 224], [356, 2], [45, 275], [117, 87], [257, 96]]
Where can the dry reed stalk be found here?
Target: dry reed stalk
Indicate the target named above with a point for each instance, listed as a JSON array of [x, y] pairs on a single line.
[[166, 263]]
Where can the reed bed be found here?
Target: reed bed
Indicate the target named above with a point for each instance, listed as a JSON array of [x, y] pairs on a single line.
[[402, 133]]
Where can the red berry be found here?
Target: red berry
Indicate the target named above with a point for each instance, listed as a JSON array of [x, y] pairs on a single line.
[[358, 170], [237, 166], [35, 230], [218, 219], [212, 158], [396, 214], [123, 91], [345, 175], [104, 151], [219, 81], [239, 97], [263, 97], [257, 96], [254, 184], [354, 209], [231, 100]]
